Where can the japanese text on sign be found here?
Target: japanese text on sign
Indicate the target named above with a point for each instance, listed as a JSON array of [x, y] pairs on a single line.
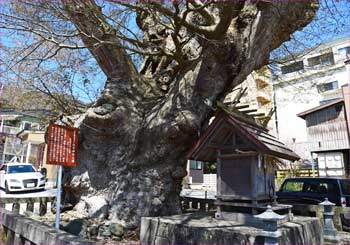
[[62, 145]]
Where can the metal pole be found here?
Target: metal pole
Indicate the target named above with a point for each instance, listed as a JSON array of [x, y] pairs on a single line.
[[313, 163], [29, 149], [58, 197], [347, 108]]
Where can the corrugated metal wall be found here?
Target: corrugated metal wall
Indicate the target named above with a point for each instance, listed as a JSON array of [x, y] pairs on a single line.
[[327, 129]]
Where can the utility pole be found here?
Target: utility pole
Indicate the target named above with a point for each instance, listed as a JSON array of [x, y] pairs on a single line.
[[346, 95]]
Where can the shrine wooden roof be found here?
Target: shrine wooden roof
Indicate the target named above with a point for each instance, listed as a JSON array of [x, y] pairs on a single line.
[[226, 126]]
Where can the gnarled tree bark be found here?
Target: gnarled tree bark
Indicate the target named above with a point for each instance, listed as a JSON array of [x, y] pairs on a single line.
[[134, 140]]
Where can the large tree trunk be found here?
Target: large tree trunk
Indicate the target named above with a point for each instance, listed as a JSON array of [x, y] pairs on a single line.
[[134, 140]]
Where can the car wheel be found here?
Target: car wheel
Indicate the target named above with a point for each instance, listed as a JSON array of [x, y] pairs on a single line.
[[7, 191]]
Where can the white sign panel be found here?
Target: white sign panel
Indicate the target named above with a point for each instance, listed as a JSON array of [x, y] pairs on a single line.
[[331, 164]]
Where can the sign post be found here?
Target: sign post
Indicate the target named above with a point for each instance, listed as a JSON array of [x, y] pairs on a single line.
[[58, 197], [62, 145]]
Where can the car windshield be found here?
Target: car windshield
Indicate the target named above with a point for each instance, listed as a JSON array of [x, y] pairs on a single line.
[[21, 169], [292, 186], [345, 186]]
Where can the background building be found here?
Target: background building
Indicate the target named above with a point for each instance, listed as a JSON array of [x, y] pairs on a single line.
[[23, 136], [328, 137], [309, 84], [13, 122], [304, 81], [257, 98]]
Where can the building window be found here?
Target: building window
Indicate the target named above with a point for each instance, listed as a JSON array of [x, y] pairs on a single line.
[[11, 123], [338, 108], [196, 165], [27, 126], [297, 66], [343, 52], [324, 59], [33, 155], [327, 86]]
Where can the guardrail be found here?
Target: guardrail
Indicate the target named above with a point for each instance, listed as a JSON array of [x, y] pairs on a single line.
[[18, 229], [10, 130]]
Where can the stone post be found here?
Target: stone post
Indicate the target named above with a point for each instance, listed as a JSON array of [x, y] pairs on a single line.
[[42, 207], [329, 231], [270, 220], [30, 206], [15, 208]]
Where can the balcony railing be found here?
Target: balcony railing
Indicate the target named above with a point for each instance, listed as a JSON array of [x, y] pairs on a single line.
[[10, 130]]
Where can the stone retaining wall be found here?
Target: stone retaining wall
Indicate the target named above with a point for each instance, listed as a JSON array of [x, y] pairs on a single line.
[[200, 228]]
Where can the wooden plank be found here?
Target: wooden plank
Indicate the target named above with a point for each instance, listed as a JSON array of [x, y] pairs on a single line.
[[242, 198], [227, 147], [234, 156], [256, 114], [218, 173], [253, 174], [241, 106], [328, 127], [248, 111]]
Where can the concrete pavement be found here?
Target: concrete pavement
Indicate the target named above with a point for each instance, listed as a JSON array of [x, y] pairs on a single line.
[[198, 194]]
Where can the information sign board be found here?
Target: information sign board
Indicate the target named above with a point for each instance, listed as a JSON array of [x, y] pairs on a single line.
[[62, 145]]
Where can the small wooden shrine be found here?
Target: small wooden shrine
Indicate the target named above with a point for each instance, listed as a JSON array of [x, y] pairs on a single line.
[[244, 153]]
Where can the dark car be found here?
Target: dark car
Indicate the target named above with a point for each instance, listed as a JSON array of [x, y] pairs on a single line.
[[315, 190]]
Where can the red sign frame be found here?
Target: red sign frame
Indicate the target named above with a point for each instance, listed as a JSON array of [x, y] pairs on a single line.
[[62, 145]]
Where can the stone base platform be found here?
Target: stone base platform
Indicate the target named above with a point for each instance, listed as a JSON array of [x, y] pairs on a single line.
[[203, 228]]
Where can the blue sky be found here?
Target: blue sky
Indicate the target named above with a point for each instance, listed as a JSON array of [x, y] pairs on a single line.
[[331, 22]]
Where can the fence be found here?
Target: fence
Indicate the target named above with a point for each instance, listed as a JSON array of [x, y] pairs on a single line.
[[10, 130], [18, 229], [190, 204], [296, 173]]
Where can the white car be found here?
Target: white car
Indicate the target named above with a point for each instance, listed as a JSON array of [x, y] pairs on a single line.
[[20, 177]]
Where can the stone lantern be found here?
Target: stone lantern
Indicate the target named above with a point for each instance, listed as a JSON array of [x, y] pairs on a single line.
[[329, 231], [270, 220]]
